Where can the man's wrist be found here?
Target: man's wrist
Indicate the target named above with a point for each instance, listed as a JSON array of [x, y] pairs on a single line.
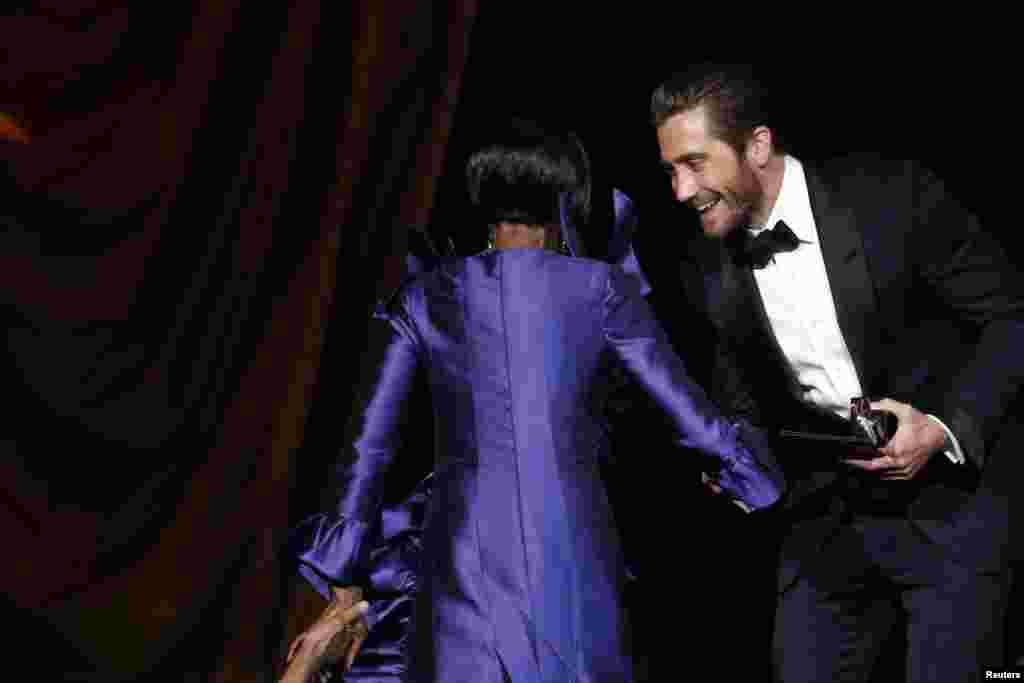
[[950, 446]]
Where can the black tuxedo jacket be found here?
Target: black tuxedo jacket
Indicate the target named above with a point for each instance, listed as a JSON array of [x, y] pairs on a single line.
[[932, 312]]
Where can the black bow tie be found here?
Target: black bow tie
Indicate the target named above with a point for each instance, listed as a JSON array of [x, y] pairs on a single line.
[[761, 250]]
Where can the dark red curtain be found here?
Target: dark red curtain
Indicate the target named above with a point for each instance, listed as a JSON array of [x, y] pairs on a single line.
[[196, 197]]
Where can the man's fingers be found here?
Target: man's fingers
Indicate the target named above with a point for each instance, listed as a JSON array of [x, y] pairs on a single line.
[[320, 635], [355, 612], [904, 412], [874, 464], [345, 597], [886, 464], [353, 618], [900, 473], [294, 647], [883, 404], [353, 650], [895, 407]]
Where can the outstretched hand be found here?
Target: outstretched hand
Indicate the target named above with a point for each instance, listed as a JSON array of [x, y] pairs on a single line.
[[337, 634]]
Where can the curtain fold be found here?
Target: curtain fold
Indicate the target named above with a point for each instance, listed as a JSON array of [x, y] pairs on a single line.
[[195, 198]]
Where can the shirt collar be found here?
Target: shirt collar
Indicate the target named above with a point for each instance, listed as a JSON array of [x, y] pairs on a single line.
[[792, 200]]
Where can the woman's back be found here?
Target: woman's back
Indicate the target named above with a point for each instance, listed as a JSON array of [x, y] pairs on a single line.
[[514, 338], [522, 548]]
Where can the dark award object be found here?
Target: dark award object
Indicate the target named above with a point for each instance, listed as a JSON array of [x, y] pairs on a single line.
[[859, 437], [875, 426]]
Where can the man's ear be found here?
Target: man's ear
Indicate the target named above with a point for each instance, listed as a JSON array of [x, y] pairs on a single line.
[[760, 146]]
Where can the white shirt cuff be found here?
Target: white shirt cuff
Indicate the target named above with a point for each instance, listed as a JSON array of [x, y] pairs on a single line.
[[952, 446]]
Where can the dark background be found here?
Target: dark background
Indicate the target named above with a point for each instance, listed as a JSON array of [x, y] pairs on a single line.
[[937, 86]]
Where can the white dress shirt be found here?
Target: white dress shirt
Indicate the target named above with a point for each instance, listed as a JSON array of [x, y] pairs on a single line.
[[801, 309]]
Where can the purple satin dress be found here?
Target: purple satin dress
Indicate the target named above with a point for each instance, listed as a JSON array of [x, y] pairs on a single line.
[[521, 573]]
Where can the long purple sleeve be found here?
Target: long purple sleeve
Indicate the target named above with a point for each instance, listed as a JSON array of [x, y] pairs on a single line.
[[748, 470], [336, 544]]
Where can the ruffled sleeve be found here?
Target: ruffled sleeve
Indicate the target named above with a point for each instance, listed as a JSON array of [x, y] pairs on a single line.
[[331, 550]]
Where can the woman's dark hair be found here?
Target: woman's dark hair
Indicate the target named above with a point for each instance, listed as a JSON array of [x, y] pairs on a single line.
[[519, 176]]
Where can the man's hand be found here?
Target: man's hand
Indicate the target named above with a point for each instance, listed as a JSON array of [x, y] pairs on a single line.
[[337, 634], [916, 440], [344, 597]]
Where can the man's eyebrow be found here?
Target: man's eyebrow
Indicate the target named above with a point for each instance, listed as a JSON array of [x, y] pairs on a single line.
[[686, 158], [692, 156]]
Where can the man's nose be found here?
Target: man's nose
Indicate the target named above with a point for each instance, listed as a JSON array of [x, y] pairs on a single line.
[[684, 185]]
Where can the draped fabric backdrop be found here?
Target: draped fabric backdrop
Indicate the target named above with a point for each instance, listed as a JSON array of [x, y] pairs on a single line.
[[196, 197]]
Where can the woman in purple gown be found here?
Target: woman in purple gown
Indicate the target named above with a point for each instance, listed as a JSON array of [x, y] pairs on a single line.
[[520, 574]]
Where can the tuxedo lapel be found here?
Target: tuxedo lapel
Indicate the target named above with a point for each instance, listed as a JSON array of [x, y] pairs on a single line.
[[842, 247], [744, 319]]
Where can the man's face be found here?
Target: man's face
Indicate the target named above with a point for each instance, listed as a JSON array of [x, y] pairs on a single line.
[[707, 174]]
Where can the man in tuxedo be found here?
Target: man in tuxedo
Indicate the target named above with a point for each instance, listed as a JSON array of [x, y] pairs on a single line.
[[860, 277]]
